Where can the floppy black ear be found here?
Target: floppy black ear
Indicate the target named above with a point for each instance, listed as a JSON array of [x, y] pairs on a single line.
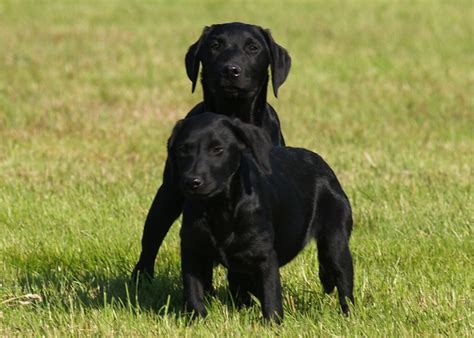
[[171, 170], [192, 58], [280, 61], [257, 140]]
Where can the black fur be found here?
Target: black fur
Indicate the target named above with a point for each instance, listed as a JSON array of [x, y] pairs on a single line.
[[235, 59], [253, 207]]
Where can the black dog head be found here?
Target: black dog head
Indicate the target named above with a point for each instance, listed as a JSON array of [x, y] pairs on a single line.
[[205, 152], [235, 58]]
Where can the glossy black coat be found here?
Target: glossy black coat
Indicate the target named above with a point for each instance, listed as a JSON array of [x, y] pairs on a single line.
[[255, 208]]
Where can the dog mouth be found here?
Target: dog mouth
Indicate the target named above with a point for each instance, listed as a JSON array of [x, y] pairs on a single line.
[[200, 195], [197, 194], [231, 89], [234, 91]]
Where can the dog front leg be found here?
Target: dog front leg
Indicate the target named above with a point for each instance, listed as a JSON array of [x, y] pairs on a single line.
[[194, 270], [165, 209], [271, 298]]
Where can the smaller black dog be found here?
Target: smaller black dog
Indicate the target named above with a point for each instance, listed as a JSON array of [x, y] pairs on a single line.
[[253, 207]]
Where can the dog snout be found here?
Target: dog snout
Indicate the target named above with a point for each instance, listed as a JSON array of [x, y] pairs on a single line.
[[193, 183], [231, 71]]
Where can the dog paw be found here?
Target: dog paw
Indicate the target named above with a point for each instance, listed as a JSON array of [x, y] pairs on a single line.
[[141, 274]]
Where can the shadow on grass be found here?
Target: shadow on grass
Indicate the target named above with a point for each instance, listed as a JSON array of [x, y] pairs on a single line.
[[78, 286], [74, 287]]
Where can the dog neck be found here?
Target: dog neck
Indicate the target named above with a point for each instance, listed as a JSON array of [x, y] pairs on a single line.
[[247, 109]]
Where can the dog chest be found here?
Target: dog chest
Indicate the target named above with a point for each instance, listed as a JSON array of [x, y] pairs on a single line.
[[239, 251]]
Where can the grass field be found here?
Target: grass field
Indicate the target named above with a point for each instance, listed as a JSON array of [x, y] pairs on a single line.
[[89, 92]]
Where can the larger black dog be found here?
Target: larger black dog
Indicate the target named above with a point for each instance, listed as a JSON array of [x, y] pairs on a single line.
[[254, 211], [235, 58]]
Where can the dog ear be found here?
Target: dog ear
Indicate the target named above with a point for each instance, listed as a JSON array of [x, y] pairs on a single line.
[[171, 170], [192, 58], [257, 140], [280, 61]]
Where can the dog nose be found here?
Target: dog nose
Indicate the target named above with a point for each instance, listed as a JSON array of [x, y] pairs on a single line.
[[231, 71], [193, 183]]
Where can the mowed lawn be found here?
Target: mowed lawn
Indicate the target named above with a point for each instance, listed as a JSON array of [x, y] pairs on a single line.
[[89, 93]]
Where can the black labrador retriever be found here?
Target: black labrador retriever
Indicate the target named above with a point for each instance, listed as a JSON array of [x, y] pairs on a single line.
[[252, 207], [235, 58]]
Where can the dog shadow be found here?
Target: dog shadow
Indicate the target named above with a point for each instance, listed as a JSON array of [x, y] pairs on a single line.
[[77, 286]]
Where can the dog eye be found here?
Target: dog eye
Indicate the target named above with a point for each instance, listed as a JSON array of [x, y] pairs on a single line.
[[215, 45], [217, 150], [252, 48]]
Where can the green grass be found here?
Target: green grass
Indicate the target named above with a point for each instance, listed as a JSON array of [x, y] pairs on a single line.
[[89, 92]]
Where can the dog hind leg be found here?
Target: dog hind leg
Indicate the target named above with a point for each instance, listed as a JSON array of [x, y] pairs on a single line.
[[336, 268]]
